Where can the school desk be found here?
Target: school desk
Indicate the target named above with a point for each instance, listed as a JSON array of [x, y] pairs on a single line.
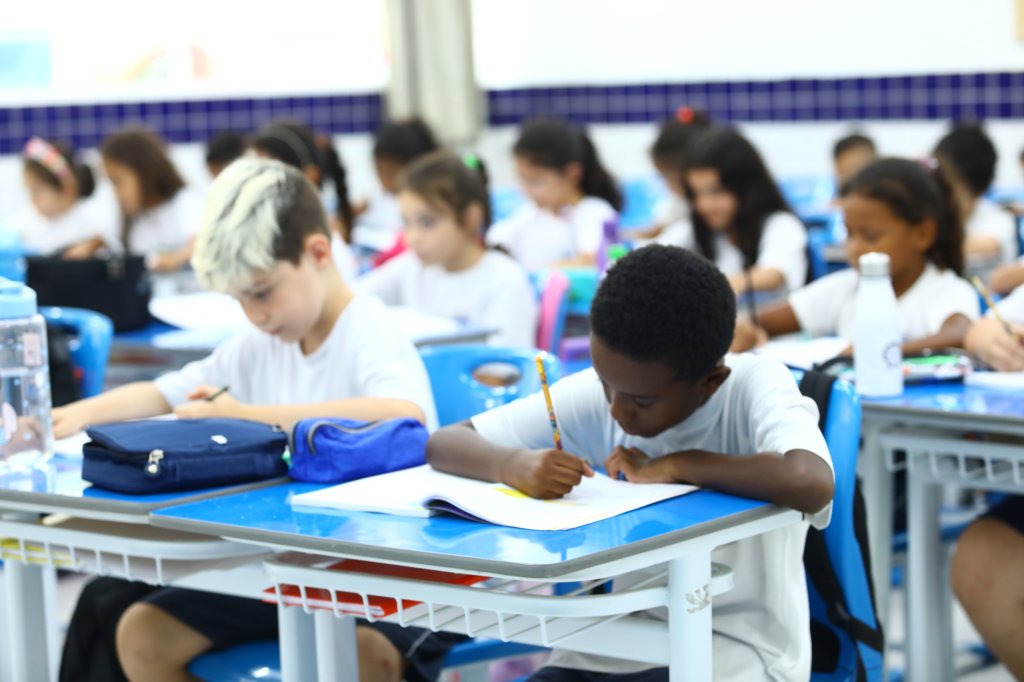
[[681, 532], [939, 427], [107, 534]]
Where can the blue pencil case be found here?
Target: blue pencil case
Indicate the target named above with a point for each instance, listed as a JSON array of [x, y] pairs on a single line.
[[338, 450], [156, 455]]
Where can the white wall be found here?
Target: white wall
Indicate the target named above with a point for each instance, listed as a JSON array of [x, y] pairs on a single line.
[[562, 42]]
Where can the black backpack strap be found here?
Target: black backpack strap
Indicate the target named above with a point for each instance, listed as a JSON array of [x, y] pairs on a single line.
[[817, 385]]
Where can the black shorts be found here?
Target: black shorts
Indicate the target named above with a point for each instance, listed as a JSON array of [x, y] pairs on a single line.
[[227, 621], [1010, 511], [552, 674]]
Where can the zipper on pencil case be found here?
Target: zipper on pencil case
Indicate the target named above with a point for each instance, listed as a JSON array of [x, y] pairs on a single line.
[[311, 433]]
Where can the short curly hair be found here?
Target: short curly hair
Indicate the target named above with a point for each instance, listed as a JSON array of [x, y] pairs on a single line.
[[971, 156], [666, 304]]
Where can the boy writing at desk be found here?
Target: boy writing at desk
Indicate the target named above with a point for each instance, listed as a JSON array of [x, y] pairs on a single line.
[[663, 403], [316, 350]]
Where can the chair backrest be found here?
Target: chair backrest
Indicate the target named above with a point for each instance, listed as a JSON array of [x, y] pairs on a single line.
[[92, 334], [554, 304], [459, 395], [845, 543]]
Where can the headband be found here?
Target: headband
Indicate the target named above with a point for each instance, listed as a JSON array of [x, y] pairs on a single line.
[[49, 157], [293, 141]]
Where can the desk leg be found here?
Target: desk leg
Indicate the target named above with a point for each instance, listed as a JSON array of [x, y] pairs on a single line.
[[877, 480], [26, 621], [336, 654], [929, 650], [689, 618], [298, 644]]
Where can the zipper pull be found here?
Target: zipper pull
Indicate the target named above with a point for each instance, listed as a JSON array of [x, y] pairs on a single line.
[[153, 465]]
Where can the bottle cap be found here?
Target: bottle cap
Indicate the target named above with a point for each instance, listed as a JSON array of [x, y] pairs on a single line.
[[16, 300], [874, 265]]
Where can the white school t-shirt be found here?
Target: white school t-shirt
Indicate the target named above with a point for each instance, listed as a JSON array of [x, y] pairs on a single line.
[[167, 227], [344, 259], [1012, 307], [365, 356], [825, 307], [537, 237], [989, 219], [495, 294], [95, 216], [783, 247], [761, 627]]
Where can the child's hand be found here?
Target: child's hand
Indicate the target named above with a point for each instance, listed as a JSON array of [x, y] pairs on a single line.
[[201, 407], [747, 336], [637, 467], [545, 474], [68, 420], [988, 340]]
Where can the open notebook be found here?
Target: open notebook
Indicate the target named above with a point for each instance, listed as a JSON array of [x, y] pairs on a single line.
[[422, 491]]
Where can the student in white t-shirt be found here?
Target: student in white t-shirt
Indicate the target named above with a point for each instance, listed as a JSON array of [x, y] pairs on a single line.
[[571, 196], [740, 220], [446, 270], [968, 159], [663, 403], [672, 214], [317, 350], [895, 207], [295, 144], [66, 215], [989, 341], [160, 214]]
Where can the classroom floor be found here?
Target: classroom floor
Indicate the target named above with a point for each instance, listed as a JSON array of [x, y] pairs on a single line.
[[964, 635]]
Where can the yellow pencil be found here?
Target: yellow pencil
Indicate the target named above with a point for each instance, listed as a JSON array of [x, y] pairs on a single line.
[[983, 290], [551, 406]]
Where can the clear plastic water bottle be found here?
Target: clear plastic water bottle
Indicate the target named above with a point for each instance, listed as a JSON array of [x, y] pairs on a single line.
[[877, 339], [26, 434]]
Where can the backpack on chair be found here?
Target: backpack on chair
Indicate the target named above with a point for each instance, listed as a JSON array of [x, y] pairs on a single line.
[[846, 635]]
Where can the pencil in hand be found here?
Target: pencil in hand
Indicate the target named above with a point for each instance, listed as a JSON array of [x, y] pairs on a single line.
[[983, 290], [214, 396], [551, 405]]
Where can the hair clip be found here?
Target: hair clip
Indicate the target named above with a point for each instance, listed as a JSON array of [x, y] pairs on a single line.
[[471, 160], [49, 157], [684, 114], [929, 162]]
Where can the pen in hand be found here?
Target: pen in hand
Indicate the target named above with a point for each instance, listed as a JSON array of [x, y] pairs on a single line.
[[222, 391]]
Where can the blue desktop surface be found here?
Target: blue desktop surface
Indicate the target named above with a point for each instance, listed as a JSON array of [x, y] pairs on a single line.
[[265, 516]]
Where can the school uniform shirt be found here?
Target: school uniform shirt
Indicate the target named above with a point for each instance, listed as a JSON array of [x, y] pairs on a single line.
[[537, 237], [1012, 307], [495, 294], [344, 259], [989, 219], [85, 220], [167, 227], [783, 247], [825, 307], [761, 627], [365, 356], [380, 224], [670, 209]]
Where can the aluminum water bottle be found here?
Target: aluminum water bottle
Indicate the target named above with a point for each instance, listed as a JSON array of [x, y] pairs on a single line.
[[877, 356], [26, 434]]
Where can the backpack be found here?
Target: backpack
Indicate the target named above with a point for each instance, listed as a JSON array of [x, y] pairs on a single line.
[[64, 382], [842, 643]]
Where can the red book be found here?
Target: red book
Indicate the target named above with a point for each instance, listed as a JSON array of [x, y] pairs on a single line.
[[352, 604]]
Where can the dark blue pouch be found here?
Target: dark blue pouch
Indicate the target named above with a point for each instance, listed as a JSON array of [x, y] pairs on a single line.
[[338, 450], [159, 455]]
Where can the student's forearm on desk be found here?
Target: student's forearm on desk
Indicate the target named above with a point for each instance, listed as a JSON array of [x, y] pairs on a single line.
[[460, 450], [982, 245], [367, 409], [950, 335], [758, 279], [799, 479], [132, 401]]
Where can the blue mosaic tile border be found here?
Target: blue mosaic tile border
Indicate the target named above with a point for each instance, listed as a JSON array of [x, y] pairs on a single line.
[[85, 125], [975, 96]]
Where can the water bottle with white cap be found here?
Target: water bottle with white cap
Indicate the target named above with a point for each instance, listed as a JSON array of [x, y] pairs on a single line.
[[877, 339], [26, 434]]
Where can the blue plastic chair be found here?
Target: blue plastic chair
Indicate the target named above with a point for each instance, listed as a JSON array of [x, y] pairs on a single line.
[[91, 336], [640, 196], [842, 433], [459, 396], [808, 194]]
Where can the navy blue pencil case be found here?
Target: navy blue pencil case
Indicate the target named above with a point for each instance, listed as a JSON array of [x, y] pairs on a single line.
[[156, 455]]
